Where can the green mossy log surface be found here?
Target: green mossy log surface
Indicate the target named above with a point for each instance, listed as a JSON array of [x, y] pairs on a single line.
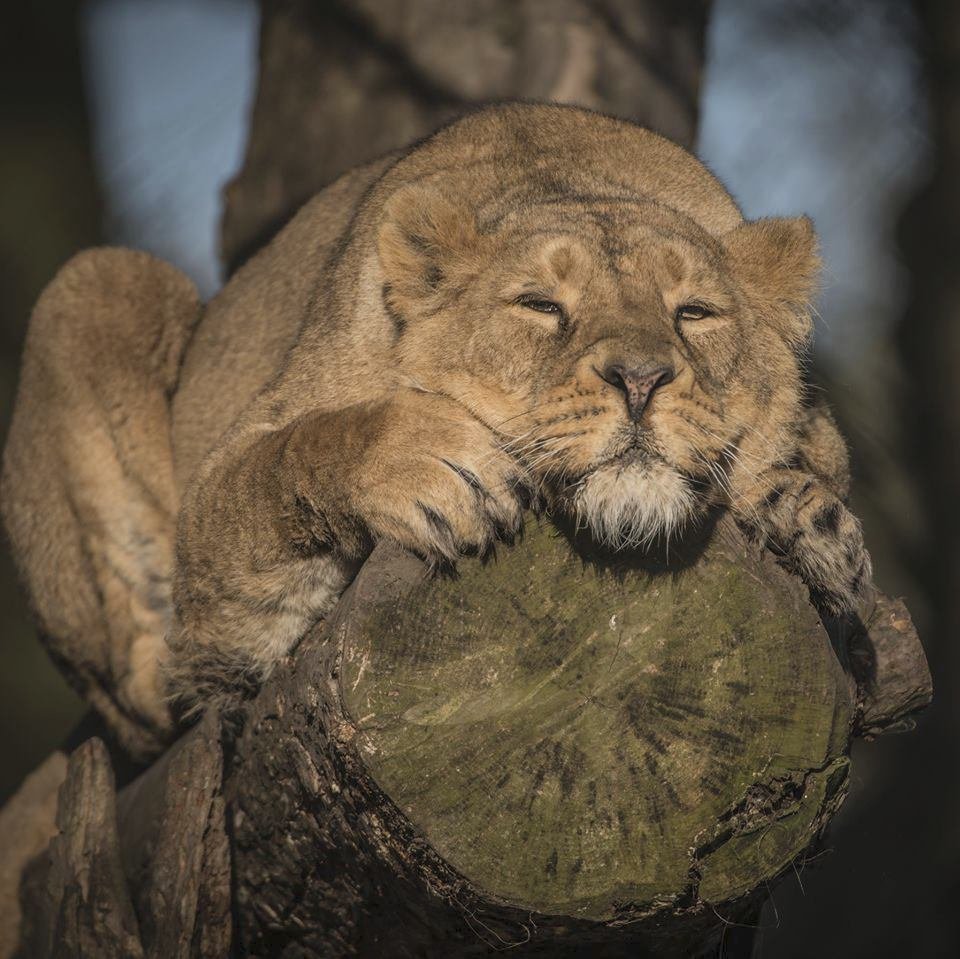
[[585, 737]]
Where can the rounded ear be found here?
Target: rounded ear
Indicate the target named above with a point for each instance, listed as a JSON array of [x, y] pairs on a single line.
[[424, 241], [777, 262]]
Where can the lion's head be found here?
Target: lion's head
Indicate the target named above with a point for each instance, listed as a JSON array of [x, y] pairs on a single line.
[[640, 365]]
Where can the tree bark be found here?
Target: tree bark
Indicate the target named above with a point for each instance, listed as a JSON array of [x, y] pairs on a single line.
[[544, 753], [77, 895], [345, 81]]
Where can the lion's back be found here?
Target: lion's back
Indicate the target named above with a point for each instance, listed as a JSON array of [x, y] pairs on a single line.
[[250, 326]]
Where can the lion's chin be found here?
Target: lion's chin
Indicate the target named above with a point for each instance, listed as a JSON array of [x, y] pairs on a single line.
[[632, 505]]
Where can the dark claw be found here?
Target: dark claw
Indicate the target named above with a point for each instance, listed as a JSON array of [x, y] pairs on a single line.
[[524, 493], [441, 528], [505, 533], [828, 519], [773, 497], [469, 477]]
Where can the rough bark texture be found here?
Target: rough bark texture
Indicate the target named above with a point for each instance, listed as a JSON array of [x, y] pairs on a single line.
[[27, 824], [78, 903], [546, 752], [891, 668], [345, 81], [176, 852]]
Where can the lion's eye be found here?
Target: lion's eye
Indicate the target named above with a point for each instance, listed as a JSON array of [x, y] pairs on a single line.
[[692, 311], [539, 304]]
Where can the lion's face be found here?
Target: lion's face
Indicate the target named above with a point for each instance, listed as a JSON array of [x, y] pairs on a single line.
[[639, 367]]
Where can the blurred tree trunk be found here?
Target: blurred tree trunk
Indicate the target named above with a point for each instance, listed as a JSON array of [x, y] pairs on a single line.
[[930, 336], [49, 208], [344, 81], [929, 340]]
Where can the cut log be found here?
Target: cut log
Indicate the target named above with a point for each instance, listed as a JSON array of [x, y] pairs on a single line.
[[550, 747]]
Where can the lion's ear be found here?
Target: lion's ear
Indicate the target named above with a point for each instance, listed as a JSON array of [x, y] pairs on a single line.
[[424, 243], [776, 259]]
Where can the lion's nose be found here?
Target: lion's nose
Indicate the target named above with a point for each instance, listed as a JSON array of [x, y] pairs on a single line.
[[637, 383]]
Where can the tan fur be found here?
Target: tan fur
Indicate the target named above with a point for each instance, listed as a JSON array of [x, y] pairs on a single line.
[[378, 371], [88, 492]]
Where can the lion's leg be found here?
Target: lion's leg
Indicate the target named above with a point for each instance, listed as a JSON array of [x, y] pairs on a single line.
[[88, 493], [822, 450], [800, 512], [276, 523]]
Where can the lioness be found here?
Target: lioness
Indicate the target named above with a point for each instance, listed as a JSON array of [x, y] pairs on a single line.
[[537, 302]]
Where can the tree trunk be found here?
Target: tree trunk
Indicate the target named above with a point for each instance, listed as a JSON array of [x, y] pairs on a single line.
[[559, 752], [345, 81]]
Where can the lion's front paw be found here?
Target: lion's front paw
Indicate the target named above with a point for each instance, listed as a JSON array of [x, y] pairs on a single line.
[[815, 533], [827, 550], [437, 481]]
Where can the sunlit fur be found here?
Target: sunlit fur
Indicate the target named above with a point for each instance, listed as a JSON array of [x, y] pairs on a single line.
[[376, 372], [619, 271]]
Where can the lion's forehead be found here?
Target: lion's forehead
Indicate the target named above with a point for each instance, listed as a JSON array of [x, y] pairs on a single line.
[[579, 246]]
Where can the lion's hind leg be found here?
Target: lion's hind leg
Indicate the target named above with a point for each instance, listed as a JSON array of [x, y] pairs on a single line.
[[88, 492]]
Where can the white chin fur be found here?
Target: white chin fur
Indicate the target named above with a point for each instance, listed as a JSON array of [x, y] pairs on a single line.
[[631, 505]]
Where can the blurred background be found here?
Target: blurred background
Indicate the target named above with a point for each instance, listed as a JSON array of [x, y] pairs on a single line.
[[123, 120]]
